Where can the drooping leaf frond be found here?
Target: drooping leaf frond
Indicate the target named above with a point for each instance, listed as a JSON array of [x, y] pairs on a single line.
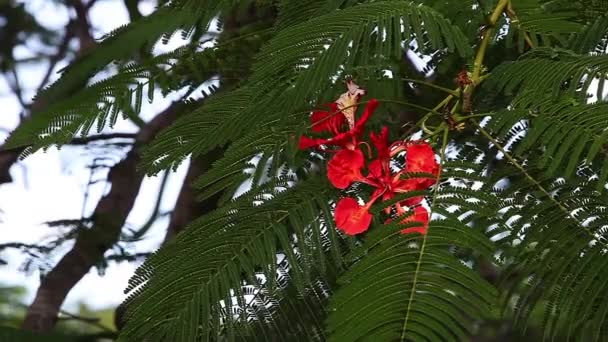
[[119, 45], [198, 132], [564, 243], [101, 102], [569, 133], [549, 234], [420, 291], [542, 23], [592, 37], [240, 240], [543, 73], [307, 55]]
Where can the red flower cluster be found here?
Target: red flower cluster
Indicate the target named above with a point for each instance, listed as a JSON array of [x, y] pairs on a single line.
[[348, 163]]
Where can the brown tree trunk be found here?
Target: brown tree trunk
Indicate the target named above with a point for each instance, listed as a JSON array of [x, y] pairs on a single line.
[[79, 28], [91, 244], [187, 208]]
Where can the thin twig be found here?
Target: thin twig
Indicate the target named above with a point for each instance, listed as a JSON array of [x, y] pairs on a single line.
[[513, 16], [98, 137], [138, 234], [82, 26], [61, 52], [444, 146], [89, 320], [567, 212], [15, 86]]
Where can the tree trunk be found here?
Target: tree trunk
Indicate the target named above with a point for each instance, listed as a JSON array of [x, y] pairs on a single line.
[[91, 244]]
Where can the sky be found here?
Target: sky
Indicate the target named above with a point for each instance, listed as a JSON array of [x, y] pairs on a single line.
[[50, 185]]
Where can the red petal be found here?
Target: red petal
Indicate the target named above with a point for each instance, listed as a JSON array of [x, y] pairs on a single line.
[[370, 107], [350, 217], [419, 183], [320, 121], [345, 168], [381, 142], [331, 121], [420, 215], [410, 202], [346, 138], [375, 169], [421, 158], [412, 184], [306, 142]]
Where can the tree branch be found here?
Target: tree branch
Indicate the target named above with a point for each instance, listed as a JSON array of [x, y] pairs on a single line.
[[139, 233], [133, 10], [94, 321], [61, 52], [98, 137], [185, 206], [91, 244], [82, 27], [9, 156], [15, 86]]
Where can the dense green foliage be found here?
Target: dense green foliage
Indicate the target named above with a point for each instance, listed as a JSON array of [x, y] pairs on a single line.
[[519, 214]]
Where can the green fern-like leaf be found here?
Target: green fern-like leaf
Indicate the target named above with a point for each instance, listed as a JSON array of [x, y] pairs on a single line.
[[197, 132], [240, 239], [564, 243], [100, 103], [592, 38], [545, 72], [570, 134], [543, 23], [306, 56], [407, 289]]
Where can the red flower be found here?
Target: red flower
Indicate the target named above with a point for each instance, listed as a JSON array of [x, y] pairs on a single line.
[[421, 158], [375, 170], [404, 186], [382, 164], [379, 173], [331, 121], [351, 217], [345, 168], [420, 215], [348, 139], [380, 141]]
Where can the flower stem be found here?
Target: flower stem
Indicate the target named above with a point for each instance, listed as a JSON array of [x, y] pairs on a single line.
[[511, 13], [487, 37], [410, 105]]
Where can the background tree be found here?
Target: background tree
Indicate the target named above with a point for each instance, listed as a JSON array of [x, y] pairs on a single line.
[[516, 238]]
